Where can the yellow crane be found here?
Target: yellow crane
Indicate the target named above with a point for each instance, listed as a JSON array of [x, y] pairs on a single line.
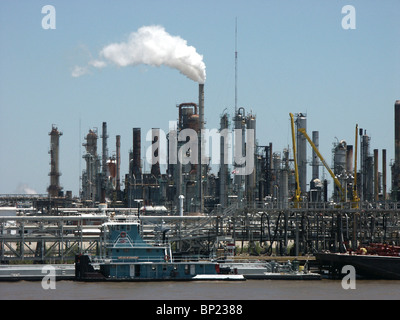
[[356, 199], [296, 169], [337, 182]]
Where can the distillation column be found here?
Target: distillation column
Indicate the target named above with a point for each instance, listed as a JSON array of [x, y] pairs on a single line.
[[301, 122], [223, 176], [54, 188], [396, 165]]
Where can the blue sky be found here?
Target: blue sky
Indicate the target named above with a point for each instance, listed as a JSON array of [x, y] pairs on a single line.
[[294, 56]]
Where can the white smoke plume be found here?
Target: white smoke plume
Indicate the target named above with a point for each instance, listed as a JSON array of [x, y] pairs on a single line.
[[151, 45], [24, 188]]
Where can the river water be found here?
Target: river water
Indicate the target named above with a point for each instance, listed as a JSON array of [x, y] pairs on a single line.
[[203, 290]]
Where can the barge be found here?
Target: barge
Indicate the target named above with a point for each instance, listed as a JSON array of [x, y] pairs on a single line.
[[36, 272], [376, 261], [271, 270]]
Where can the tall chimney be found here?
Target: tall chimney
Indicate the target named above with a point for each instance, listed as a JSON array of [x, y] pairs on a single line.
[[376, 176], [397, 132], [396, 167], [315, 159], [155, 167], [200, 172], [384, 174], [136, 166], [104, 137], [118, 145], [104, 165], [201, 105]]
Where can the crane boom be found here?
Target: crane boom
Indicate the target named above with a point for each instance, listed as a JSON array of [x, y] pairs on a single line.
[[337, 182], [296, 169]]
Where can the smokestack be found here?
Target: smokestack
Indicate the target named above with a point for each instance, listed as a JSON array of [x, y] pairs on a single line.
[[384, 174], [201, 120], [396, 167], [104, 165], [376, 176], [201, 105], [104, 137], [315, 159], [136, 167], [397, 132], [155, 167], [54, 174], [118, 145]]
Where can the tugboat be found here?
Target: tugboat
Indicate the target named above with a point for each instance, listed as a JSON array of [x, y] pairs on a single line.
[[128, 257]]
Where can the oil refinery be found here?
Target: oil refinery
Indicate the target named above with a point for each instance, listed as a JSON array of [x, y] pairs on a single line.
[[277, 178], [258, 203]]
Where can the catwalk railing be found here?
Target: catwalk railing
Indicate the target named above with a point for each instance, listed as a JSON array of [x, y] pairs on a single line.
[[256, 229]]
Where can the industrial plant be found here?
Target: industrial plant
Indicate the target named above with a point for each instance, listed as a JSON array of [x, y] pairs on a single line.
[[260, 201], [277, 178]]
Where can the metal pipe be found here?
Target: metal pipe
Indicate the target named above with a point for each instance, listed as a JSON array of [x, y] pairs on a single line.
[[181, 198]]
